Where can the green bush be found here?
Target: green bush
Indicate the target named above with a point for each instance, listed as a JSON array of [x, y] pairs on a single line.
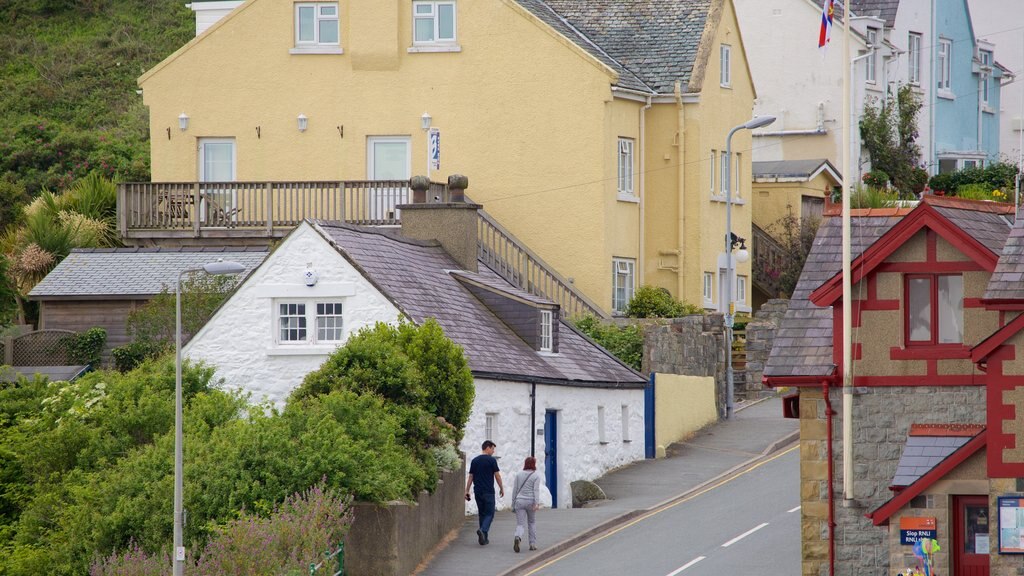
[[876, 179], [407, 364], [653, 302], [129, 356], [918, 180], [625, 343], [86, 347], [152, 325]]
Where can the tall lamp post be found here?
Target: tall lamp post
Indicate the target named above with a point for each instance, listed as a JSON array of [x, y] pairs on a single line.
[[731, 242], [215, 269]]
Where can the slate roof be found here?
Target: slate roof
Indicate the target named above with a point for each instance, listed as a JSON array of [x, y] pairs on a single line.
[[883, 9], [927, 447], [132, 272], [651, 43], [791, 168], [419, 278], [803, 344], [1007, 281]]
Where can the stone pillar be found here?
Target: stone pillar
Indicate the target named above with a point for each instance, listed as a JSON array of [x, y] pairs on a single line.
[[457, 184], [419, 185]]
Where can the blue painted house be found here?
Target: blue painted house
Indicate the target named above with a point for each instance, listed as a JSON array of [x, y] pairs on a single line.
[[965, 102]]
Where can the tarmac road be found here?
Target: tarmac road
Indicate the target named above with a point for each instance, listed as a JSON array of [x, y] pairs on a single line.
[[748, 523]]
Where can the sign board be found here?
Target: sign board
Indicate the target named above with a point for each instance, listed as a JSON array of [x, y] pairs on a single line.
[[915, 529], [1011, 525], [434, 148]]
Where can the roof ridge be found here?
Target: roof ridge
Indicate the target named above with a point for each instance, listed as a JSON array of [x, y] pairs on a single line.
[[596, 46], [390, 234], [988, 206]]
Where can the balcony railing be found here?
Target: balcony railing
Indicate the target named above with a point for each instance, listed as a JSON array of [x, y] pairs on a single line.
[[270, 209]]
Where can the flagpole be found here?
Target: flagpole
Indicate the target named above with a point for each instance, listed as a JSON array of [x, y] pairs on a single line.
[[848, 493]]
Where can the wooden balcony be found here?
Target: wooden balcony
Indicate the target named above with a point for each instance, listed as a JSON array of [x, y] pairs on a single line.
[[239, 210]]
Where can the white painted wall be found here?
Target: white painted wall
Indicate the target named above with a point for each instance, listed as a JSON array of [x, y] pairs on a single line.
[[999, 22], [240, 339], [208, 13], [916, 16], [795, 82], [581, 456]]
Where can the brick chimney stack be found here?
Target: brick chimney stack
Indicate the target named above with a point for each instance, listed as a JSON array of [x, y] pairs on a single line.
[[453, 223]]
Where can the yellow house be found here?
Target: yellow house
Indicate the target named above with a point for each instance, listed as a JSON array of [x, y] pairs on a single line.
[[594, 132]]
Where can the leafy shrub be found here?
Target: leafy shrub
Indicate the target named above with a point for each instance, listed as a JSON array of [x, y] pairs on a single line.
[[995, 176], [129, 356], [407, 364], [868, 197], [625, 343], [291, 538], [876, 179], [152, 325], [85, 348], [918, 180], [945, 183], [653, 302]]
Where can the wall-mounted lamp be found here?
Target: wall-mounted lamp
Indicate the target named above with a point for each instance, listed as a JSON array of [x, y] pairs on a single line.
[[742, 255], [425, 121], [302, 121], [258, 133], [341, 131], [183, 121]]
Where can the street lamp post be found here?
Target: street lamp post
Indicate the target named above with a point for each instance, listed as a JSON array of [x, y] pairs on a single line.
[[213, 268], [731, 240]]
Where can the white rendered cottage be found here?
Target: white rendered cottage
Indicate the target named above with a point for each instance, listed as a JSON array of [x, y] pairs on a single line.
[[540, 385]]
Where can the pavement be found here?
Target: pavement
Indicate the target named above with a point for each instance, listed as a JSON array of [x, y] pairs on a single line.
[[757, 429]]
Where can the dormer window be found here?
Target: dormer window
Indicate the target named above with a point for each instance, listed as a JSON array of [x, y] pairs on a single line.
[[546, 341]]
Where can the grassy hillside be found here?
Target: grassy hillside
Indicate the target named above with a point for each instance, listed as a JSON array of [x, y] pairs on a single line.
[[68, 102]]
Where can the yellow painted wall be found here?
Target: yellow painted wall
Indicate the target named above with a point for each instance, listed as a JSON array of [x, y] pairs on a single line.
[[525, 113], [775, 200], [683, 405]]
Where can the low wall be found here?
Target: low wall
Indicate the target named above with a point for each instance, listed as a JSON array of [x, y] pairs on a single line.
[[392, 539], [683, 405], [760, 338], [691, 346]]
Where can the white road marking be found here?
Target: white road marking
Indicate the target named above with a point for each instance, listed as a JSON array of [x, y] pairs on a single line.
[[688, 564], [744, 535], [792, 510]]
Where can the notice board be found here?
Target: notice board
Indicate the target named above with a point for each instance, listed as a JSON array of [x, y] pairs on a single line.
[[1011, 525]]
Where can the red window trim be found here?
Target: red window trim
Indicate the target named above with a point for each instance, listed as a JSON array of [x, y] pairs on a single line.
[[934, 321]]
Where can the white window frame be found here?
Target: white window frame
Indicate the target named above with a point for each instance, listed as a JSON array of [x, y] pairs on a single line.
[[490, 426], [316, 46], [986, 62], [625, 424], [709, 287], [714, 157], [871, 66], [436, 44], [626, 175], [601, 438], [945, 65], [723, 170], [741, 290], [312, 318], [914, 58], [546, 340], [624, 268], [736, 183], [725, 61]]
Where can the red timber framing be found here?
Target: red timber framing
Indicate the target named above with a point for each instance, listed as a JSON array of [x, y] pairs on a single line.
[[1002, 418], [873, 261]]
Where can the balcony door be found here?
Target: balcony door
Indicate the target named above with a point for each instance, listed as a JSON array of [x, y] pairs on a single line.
[[387, 158], [217, 164]]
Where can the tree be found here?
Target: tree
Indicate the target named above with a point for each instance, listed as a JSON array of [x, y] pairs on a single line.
[[889, 131], [796, 237]]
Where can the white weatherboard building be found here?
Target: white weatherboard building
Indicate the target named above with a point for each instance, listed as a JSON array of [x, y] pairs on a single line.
[[540, 385]]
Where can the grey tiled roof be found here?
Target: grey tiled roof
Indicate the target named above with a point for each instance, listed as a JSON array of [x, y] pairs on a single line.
[[651, 43], [1007, 281], [113, 272], [789, 168], [803, 343], [498, 283], [922, 453], [419, 278], [883, 9]]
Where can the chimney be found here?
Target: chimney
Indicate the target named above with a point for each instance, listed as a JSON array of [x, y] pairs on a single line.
[[452, 223]]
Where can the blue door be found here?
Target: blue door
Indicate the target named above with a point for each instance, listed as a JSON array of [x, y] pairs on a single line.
[[551, 454], [649, 418]]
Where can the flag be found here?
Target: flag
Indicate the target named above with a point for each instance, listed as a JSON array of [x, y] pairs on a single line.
[[825, 34]]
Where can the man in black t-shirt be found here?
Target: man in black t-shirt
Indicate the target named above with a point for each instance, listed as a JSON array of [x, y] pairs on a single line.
[[483, 472]]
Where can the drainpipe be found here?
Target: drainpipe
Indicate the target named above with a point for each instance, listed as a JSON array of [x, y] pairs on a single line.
[[831, 499], [680, 177], [643, 189], [533, 419]]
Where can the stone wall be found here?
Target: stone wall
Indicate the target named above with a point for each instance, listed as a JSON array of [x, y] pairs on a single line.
[[691, 345], [882, 419], [392, 539], [760, 337]]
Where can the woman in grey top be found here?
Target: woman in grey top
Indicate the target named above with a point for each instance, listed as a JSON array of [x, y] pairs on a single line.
[[526, 501]]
